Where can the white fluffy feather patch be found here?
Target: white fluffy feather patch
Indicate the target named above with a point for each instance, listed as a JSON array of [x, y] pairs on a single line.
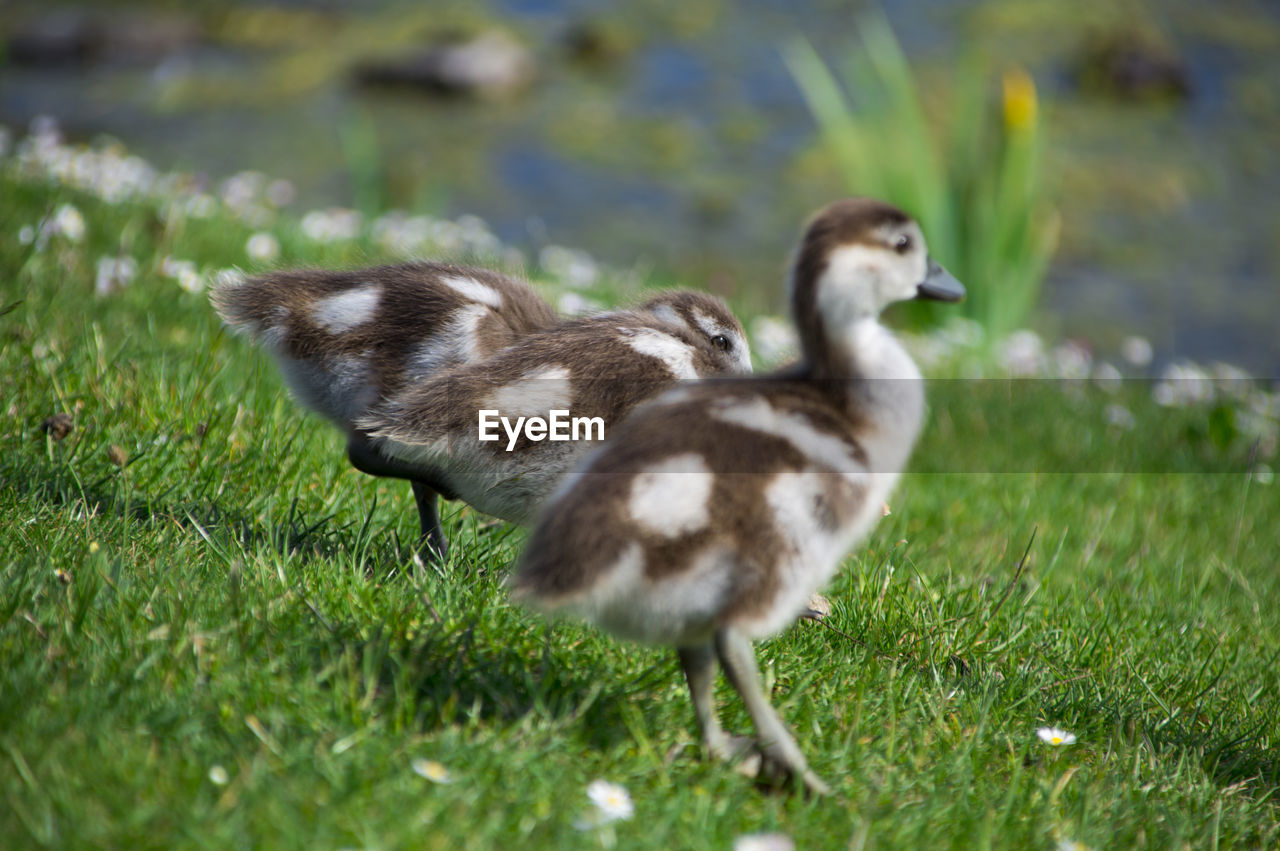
[[671, 498], [667, 313], [536, 393], [346, 310], [673, 354], [860, 281], [709, 326], [823, 449], [814, 552], [455, 343], [473, 290], [842, 303], [680, 608]]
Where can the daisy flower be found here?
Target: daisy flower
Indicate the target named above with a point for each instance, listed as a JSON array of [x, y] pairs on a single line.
[[613, 803], [1056, 737], [612, 799]]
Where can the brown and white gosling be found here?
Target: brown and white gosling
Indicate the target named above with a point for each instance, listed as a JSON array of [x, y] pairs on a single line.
[[712, 514], [348, 340], [592, 371]]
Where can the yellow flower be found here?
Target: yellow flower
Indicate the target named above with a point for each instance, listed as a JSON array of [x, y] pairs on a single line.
[[1019, 100]]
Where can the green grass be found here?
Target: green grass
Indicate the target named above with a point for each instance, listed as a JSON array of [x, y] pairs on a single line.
[[235, 596]]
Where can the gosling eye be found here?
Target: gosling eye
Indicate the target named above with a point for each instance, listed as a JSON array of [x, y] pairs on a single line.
[[721, 342], [902, 244]]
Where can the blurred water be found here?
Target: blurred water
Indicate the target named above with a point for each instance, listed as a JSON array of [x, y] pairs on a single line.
[[688, 153]]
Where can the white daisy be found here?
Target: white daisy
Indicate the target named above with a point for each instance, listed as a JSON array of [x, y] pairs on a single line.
[[612, 801], [1056, 737]]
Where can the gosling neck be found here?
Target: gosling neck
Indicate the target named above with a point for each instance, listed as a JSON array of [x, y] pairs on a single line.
[[840, 336]]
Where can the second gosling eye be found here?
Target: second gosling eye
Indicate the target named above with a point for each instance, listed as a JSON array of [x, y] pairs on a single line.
[[902, 244], [721, 342]]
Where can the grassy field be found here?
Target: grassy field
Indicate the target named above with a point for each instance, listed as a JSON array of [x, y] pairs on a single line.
[[212, 633]]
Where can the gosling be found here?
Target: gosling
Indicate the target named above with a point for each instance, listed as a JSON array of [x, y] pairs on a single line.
[[598, 369], [346, 340], [712, 514]]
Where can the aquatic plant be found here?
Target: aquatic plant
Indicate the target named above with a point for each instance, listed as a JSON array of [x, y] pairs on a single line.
[[973, 180]]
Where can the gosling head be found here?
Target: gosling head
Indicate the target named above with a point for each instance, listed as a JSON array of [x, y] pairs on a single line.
[[858, 256], [710, 320]]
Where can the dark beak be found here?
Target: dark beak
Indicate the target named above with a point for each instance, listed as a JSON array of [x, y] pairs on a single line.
[[939, 285]]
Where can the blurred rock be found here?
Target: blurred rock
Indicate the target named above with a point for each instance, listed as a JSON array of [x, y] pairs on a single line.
[[1131, 65], [491, 64], [76, 37]]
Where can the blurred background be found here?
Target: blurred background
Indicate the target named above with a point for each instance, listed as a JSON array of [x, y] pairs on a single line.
[[1094, 169]]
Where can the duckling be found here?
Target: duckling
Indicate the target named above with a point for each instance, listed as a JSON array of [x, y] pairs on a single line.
[[712, 513], [594, 370], [347, 340]]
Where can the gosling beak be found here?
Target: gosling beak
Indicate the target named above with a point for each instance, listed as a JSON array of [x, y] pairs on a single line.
[[939, 285]]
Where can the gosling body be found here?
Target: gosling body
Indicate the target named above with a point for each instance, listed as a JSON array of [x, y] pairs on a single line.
[[600, 367], [713, 513], [346, 341]]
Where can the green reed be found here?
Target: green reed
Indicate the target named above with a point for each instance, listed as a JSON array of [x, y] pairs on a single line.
[[972, 177]]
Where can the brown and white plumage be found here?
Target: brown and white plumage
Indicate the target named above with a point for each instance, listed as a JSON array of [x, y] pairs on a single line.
[[365, 348], [346, 341], [713, 513], [602, 366]]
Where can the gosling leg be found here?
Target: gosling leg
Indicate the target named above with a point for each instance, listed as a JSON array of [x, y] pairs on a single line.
[[432, 542], [738, 659], [367, 459], [699, 665]]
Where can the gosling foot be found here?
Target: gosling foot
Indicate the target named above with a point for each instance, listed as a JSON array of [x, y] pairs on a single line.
[[733, 749], [819, 607], [778, 768]]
